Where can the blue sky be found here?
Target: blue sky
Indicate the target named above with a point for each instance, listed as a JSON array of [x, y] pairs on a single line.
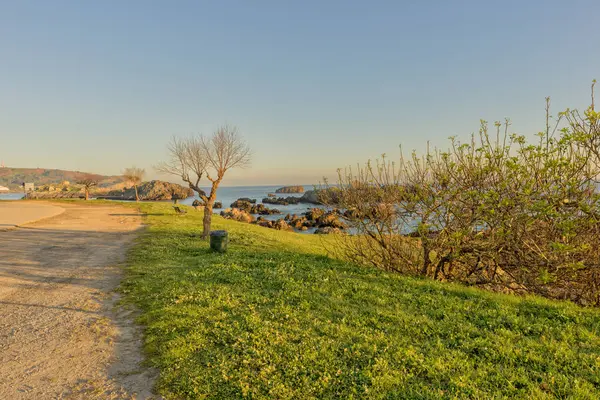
[[312, 85]]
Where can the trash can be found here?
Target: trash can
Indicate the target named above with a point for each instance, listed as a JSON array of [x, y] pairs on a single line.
[[219, 241]]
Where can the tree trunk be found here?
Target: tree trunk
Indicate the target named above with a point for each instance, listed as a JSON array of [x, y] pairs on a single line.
[[206, 221], [137, 198], [208, 209], [87, 193]]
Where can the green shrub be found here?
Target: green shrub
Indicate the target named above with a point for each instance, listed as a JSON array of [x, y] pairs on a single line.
[[497, 211]]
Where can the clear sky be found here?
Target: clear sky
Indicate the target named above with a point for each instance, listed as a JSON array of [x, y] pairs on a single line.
[[313, 85]]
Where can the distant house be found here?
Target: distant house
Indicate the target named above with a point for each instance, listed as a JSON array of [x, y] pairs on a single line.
[[4, 189]]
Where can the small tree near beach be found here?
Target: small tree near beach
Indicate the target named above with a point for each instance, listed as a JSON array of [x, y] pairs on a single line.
[[210, 157], [134, 175], [88, 181]]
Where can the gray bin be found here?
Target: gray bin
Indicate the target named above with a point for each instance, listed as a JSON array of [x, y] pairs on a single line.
[[219, 241]]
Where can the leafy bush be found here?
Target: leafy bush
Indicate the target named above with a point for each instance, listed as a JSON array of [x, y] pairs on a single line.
[[497, 211]]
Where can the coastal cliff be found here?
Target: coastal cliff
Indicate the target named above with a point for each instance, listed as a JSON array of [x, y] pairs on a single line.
[[148, 191], [153, 191]]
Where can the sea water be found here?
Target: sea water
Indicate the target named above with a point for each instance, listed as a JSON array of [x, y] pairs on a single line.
[[11, 196]]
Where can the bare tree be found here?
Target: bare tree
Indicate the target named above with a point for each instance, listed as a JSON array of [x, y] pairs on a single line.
[[211, 157], [134, 175], [88, 181]]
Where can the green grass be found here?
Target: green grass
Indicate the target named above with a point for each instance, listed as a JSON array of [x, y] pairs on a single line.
[[276, 318]]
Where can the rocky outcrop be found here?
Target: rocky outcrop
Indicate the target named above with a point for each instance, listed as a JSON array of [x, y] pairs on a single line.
[[237, 215], [253, 208], [55, 195], [152, 191], [310, 197], [265, 223], [198, 204], [262, 210], [330, 220], [314, 213], [328, 196], [300, 223], [279, 224], [241, 204], [290, 189], [282, 201], [325, 222]]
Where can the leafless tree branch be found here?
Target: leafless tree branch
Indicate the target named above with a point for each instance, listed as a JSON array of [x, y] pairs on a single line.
[[198, 156]]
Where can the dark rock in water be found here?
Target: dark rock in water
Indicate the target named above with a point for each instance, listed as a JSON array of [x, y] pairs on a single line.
[[271, 195], [154, 191], [242, 205], [322, 219], [216, 205], [282, 201], [249, 200], [301, 222], [327, 230], [290, 189], [310, 197], [272, 200], [262, 210], [326, 196]]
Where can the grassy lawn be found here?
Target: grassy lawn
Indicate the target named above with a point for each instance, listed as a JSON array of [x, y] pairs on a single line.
[[276, 318]]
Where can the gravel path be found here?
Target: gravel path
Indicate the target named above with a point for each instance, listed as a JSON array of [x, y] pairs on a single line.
[[61, 335]]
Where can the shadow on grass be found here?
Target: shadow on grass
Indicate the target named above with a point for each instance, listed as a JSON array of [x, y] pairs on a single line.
[[256, 253]]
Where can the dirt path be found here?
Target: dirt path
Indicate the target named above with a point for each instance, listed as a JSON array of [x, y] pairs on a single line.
[[61, 335], [15, 213]]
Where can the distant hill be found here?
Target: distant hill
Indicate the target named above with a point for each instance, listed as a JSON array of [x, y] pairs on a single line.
[[13, 178]]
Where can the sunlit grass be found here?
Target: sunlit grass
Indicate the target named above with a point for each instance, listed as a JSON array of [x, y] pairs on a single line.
[[276, 318]]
